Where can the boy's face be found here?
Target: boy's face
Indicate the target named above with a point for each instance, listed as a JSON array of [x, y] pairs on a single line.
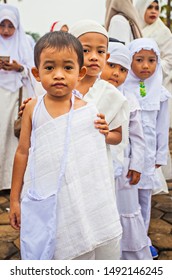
[[95, 52], [152, 13], [58, 71], [114, 74], [144, 64]]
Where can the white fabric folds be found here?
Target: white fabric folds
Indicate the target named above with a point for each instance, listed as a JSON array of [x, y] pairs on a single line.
[[86, 209]]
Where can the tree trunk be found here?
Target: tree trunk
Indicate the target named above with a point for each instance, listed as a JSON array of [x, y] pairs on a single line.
[[168, 13]]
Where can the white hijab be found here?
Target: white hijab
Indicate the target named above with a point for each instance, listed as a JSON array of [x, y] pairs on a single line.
[[153, 84], [114, 7], [141, 7], [17, 47], [163, 37]]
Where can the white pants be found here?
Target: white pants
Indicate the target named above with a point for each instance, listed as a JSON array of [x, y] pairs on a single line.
[[110, 251], [145, 203]]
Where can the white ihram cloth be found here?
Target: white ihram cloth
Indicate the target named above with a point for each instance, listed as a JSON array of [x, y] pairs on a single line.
[[86, 209], [110, 102]]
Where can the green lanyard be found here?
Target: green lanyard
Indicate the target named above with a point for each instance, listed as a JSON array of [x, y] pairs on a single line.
[[142, 89]]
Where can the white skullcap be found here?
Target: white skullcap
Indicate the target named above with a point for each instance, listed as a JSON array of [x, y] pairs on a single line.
[[119, 54], [86, 26]]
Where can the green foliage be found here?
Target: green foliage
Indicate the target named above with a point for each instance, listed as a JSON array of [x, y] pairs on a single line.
[[166, 14], [35, 36]]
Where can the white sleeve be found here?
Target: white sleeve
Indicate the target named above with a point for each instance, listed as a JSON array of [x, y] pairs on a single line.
[[162, 131], [137, 143]]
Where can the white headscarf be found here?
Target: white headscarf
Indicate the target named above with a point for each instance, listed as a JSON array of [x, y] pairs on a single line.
[[141, 7], [162, 35], [17, 47], [114, 7], [86, 26], [153, 84]]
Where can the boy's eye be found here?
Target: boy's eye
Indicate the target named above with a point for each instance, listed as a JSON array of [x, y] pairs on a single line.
[[123, 69], [85, 50], [68, 67], [138, 59], [101, 51], [112, 65], [49, 68]]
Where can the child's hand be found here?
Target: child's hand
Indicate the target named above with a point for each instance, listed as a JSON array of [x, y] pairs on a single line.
[[134, 177], [157, 165], [15, 215], [1, 64], [102, 125], [9, 66], [22, 107]]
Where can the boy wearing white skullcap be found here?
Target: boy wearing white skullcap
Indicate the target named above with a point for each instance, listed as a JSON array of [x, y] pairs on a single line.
[[134, 244], [108, 100]]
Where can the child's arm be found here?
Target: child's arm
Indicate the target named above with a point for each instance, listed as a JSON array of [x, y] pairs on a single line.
[[162, 131], [137, 147], [19, 166], [112, 137], [23, 105]]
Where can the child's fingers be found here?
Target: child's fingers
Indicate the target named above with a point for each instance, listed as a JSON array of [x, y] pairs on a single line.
[[134, 177], [101, 116], [15, 221], [27, 100]]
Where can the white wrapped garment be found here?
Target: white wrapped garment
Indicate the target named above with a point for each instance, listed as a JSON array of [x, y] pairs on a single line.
[[86, 208]]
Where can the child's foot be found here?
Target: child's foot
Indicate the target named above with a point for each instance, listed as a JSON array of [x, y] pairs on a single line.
[[154, 252]]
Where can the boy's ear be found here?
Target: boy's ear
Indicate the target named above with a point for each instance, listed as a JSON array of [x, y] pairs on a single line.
[[35, 73], [82, 73], [107, 56]]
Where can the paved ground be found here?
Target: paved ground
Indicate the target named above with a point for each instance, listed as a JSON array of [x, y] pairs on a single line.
[[160, 229]]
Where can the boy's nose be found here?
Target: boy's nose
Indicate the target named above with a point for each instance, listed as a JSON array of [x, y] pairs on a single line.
[[58, 74], [116, 73], [93, 56]]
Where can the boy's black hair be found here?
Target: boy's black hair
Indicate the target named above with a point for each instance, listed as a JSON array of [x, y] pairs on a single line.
[[115, 40], [58, 40]]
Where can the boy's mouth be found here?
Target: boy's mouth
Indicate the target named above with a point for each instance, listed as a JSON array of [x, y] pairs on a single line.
[[59, 85], [93, 66]]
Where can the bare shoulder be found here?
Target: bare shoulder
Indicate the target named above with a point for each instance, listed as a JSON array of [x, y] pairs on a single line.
[[30, 107], [79, 103]]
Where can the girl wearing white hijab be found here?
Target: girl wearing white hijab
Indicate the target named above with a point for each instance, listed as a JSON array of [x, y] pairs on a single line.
[[145, 81], [13, 75], [134, 243], [153, 27], [121, 20]]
